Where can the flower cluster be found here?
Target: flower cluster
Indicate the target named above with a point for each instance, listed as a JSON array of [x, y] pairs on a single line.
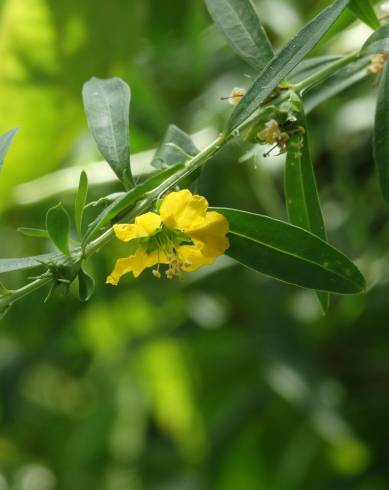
[[183, 235]]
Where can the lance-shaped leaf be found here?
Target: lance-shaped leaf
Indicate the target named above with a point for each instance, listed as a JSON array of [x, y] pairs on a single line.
[[176, 147], [381, 133], [5, 142], [243, 30], [290, 254], [302, 198], [365, 11], [80, 202], [107, 107], [378, 42], [58, 227], [25, 263], [284, 62]]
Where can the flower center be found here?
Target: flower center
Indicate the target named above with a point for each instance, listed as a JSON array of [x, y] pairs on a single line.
[[167, 242]]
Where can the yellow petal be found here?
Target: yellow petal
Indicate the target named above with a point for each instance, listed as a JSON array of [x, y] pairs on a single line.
[[210, 237], [194, 258], [183, 211], [136, 264], [144, 225]]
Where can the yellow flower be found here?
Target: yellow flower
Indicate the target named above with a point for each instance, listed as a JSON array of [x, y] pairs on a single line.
[[184, 235]]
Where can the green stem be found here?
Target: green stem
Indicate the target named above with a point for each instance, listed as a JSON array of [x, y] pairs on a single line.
[[325, 72]]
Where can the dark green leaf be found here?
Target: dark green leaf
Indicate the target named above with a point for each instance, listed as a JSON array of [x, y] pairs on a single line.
[[34, 232], [86, 285], [284, 62], [79, 205], [24, 263], [378, 42], [58, 227], [5, 142], [290, 254], [365, 11], [381, 134], [107, 106], [302, 198], [176, 147], [126, 200], [243, 30]]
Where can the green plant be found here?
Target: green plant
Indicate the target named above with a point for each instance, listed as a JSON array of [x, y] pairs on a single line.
[[271, 112]]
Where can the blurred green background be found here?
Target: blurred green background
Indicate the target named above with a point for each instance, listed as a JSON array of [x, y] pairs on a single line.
[[228, 380]]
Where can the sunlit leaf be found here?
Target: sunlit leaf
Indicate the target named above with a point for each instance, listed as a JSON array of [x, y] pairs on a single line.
[[243, 30], [107, 106], [284, 62], [289, 253]]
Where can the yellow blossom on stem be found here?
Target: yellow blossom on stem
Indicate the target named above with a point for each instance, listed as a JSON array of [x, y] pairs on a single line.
[[184, 235]]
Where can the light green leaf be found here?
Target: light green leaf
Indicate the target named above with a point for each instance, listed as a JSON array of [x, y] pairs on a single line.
[[378, 42], [58, 227], [86, 285], [80, 202], [24, 263], [5, 143], [243, 30], [284, 62], [34, 232], [289, 253], [381, 134], [107, 107], [302, 198], [176, 147], [365, 11]]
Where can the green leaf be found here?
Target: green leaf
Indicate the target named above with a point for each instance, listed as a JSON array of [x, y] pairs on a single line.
[[284, 62], [378, 42], [5, 143], [58, 227], [34, 232], [302, 198], [365, 11], [107, 107], [127, 199], [24, 263], [86, 285], [381, 134], [289, 253], [243, 30], [80, 202], [176, 147]]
